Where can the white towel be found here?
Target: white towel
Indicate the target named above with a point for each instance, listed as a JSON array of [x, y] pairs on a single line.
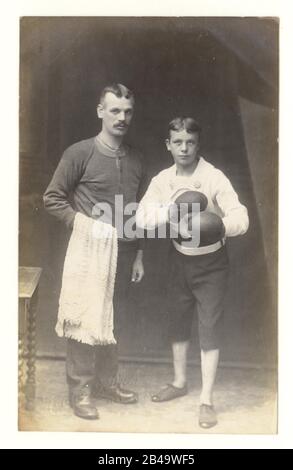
[[86, 299]]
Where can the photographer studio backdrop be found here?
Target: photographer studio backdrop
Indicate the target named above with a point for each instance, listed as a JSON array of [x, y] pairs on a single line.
[[224, 72]]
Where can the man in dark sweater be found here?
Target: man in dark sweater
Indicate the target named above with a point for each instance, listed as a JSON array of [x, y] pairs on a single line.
[[90, 173]]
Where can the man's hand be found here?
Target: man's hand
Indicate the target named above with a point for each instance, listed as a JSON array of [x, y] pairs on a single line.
[[137, 268]]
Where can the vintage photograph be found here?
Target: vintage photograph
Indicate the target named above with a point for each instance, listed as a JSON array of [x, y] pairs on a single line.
[[148, 224]]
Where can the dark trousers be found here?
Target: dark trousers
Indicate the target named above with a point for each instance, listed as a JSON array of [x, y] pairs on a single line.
[[88, 365]]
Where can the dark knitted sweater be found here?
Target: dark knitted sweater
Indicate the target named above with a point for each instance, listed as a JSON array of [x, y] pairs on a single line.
[[89, 173]]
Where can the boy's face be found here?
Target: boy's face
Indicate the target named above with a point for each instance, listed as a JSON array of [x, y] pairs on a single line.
[[184, 147]]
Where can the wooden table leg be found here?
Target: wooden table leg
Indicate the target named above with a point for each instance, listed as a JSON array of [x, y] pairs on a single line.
[[27, 294], [31, 354], [20, 372]]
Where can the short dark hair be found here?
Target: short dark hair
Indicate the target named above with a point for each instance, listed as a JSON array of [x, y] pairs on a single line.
[[118, 90], [184, 123]]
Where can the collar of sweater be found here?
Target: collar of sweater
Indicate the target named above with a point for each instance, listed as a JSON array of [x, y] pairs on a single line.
[[108, 151]]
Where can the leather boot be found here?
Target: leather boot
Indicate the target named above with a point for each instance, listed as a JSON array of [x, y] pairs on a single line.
[[115, 393], [83, 404]]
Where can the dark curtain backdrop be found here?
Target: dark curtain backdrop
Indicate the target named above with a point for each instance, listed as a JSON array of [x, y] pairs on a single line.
[[221, 70]]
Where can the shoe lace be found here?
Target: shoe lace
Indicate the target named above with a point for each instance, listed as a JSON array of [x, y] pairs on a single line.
[[84, 395]]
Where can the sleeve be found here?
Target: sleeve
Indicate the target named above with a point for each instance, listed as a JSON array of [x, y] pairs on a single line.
[[235, 215], [152, 211], [144, 180], [64, 181]]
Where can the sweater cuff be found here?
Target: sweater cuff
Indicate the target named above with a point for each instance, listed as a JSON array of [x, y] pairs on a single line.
[[69, 219]]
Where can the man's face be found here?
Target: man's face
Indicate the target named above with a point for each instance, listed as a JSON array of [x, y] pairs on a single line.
[[116, 114], [184, 147]]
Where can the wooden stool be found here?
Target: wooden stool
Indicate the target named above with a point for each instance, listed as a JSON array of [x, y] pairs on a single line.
[[27, 300]]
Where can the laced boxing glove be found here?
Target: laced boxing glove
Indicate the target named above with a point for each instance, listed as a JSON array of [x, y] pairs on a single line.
[[184, 203], [188, 198], [207, 225], [211, 228]]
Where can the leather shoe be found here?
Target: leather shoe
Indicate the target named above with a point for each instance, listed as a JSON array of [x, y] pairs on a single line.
[[169, 392], [116, 394], [207, 416], [82, 404]]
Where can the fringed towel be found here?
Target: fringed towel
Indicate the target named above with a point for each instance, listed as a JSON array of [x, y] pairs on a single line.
[[86, 299]]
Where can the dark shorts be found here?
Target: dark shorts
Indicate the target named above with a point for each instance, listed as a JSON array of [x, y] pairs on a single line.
[[197, 282]]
